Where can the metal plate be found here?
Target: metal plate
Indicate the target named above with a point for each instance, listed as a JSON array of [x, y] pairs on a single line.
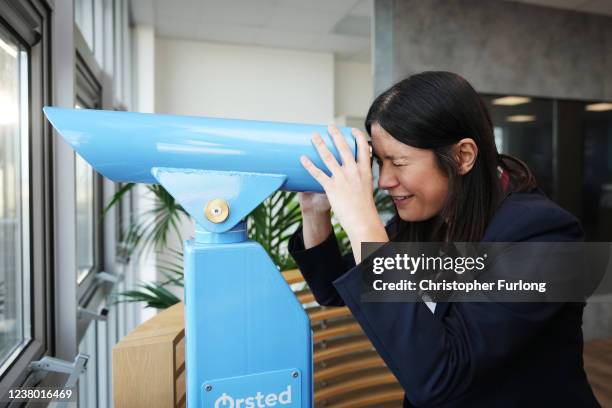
[[270, 389]]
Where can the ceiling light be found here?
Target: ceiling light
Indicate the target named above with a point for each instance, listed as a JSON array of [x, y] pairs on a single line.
[[511, 100], [520, 118], [599, 107]]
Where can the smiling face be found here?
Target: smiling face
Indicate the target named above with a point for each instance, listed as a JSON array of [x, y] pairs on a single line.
[[410, 175]]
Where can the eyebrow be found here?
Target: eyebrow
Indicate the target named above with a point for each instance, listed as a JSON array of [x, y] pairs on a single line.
[[390, 157]]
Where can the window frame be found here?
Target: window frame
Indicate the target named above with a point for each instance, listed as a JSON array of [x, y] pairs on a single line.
[[88, 91], [29, 22]]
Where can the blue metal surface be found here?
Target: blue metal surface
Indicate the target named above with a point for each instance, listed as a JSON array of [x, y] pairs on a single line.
[[241, 319], [125, 146], [237, 234], [243, 192], [272, 389]]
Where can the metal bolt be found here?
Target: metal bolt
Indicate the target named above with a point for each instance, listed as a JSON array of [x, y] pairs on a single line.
[[208, 387], [295, 374], [216, 210]]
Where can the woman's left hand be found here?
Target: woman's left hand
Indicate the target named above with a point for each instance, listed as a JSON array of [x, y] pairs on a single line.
[[349, 188]]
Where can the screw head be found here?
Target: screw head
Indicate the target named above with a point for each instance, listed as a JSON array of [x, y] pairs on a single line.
[[208, 387], [217, 210], [295, 374]]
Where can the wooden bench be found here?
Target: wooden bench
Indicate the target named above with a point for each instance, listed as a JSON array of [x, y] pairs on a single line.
[[149, 368], [598, 366], [348, 372], [149, 363]]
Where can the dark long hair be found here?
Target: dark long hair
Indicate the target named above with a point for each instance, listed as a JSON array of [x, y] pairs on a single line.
[[434, 110]]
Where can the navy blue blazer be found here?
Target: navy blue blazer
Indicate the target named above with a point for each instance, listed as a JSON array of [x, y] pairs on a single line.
[[470, 354]]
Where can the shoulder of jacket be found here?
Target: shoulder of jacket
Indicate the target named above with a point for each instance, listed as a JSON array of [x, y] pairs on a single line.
[[531, 216]]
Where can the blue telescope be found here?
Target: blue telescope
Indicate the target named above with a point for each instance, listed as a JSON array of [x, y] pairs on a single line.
[[248, 339]]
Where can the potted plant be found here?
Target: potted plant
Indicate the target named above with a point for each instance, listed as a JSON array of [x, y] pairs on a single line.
[[270, 224]]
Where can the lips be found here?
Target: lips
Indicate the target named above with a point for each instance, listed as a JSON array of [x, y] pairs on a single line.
[[401, 199]]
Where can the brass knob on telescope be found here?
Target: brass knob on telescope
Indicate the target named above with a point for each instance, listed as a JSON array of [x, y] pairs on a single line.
[[217, 210]]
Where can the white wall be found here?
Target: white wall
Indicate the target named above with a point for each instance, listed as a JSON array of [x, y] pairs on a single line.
[[246, 82], [144, 101], [353, 88]]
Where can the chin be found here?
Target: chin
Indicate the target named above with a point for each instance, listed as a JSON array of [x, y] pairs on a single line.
[[409, 216], [412, 216]]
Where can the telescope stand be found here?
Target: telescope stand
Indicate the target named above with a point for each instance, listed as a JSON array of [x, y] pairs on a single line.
[[248, 339]]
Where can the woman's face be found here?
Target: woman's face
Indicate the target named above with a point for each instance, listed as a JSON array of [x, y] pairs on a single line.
[[410, 175]]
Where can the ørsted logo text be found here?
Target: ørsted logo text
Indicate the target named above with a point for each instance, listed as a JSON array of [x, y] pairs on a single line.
[[258, 401]]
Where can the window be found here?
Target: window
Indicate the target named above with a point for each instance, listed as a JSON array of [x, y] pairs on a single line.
[[88, 184], [84, 18], [85, 244], [523, 127], [568, 146], [26, 230], [597, 171], [14, 199], [85, 229]]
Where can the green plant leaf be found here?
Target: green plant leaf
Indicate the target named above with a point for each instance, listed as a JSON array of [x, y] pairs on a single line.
[[117, 197], [153, 294]]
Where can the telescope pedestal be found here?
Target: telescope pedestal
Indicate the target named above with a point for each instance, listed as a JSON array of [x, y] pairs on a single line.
[[248, 337]]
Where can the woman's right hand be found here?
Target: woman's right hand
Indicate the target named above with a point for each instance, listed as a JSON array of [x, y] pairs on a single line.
[[314, 204], [316, 218]]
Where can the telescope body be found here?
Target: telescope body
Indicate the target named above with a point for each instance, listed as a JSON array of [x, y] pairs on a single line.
[[126, 146]]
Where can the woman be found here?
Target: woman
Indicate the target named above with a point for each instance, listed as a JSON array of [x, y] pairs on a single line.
[[433, 139]]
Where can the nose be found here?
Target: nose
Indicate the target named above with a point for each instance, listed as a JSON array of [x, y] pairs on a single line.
[[386, 178]]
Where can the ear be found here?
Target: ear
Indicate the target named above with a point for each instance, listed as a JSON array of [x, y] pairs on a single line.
[[466, 151]]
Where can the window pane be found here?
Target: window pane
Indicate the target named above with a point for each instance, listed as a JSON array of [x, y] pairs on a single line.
[[14, 199], [84, 18], [597, 187], [84, 179], [523, 127]]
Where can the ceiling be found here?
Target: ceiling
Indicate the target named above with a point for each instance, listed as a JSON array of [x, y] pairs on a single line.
[[338, 26]]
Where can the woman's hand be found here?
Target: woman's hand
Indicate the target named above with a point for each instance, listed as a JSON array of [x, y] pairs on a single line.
[[314, 204], [349, 189], [316, 218]]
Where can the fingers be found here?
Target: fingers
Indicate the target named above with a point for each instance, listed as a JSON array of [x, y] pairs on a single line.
[[328, 158], [364, 152], [346, 154], [314, 171]]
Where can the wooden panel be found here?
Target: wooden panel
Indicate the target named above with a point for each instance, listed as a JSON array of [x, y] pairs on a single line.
[[306, 297], [348, 367], [145, 372], [143, 376], [342, 350], [345, 358], [293, 276], [179, 355], [328, 313], [372, 400], [598, 366], [180, 396], [167, 323], [347, 387], [337, 331]]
